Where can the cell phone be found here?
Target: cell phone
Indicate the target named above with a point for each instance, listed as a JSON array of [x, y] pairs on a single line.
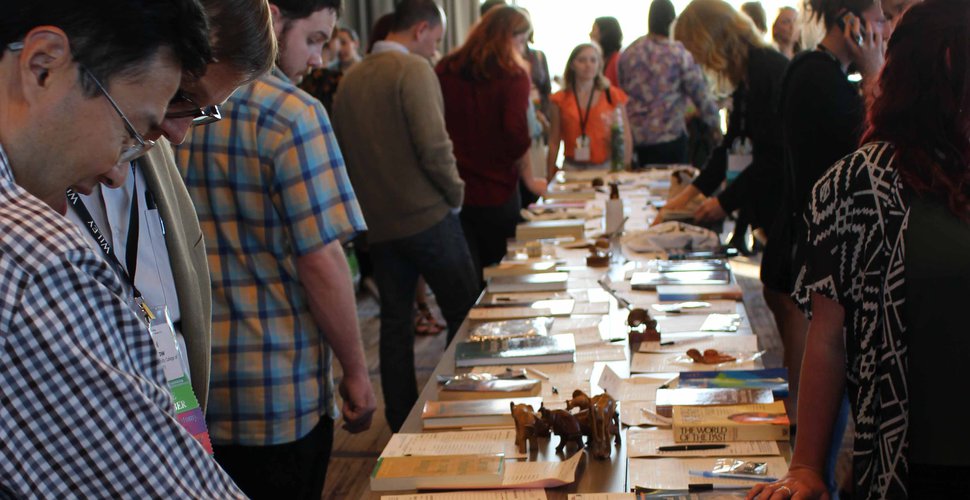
[[844, 17]]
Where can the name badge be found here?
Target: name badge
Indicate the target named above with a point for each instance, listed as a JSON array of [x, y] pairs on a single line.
[[739, 157], [582, 149], [166, 345]]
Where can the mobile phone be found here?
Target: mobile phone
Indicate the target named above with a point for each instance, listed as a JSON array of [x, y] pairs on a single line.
[[846, 16]]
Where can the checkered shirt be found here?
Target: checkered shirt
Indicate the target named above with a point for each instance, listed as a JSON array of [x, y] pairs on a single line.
[[270, 185], [84, 407]]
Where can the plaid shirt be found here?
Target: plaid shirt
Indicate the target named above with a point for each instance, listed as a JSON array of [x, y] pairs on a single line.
[[84, 407], [270, 185]]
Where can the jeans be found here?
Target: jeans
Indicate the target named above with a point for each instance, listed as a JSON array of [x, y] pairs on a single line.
[[290, 470], [662, 153], [487, 230], [440, 254]]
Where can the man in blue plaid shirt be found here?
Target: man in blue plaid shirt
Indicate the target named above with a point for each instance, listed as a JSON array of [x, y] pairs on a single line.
[[85, 409], [274, 203]]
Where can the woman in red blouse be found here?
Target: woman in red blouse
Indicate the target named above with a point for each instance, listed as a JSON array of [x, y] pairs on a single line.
[[486, 85]]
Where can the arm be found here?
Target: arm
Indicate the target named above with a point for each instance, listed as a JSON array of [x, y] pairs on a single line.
[[424, 110], [822, 386], [325, 276], [536, 185], [555, 138]]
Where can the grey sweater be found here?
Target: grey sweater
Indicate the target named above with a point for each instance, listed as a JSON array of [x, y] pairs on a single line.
[[389, 120]]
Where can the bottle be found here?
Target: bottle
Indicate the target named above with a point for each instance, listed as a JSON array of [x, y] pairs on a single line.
[[614, 210], [616, 140]]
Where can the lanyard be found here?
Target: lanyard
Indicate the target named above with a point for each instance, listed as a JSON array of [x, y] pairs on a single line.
[[131, 248], [583, 120]]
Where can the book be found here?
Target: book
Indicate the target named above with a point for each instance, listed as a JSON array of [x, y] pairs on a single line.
[[455, 390], [566, 196], [691, 396], [651, 280], [537, 230], [515, 268], [480, 413], [718, 424], [516, 351], [437, 472], [773, 379], [677, 266], [519, 310], [545, 282], [729, 291]]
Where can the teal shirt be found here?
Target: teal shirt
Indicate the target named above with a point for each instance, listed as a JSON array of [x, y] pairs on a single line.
[[938, 333]]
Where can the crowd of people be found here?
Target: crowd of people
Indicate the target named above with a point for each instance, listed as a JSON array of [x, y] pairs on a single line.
[[179, 179]]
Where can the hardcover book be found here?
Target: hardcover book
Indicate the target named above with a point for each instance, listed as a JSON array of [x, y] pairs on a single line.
[[676, 293], [481, 413], [773, 379], [514, 268], [544, 282], [651, 280], [689, 396], [455, 390], [538, 230], [517, 351], [717, 424]]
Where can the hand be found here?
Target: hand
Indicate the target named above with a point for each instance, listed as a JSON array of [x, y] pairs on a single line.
[[359, 402], [800, 483], [870, 56], [710, 211], [538, 186]]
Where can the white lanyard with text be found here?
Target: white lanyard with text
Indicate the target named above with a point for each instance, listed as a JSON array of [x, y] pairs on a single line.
[[582, 152]]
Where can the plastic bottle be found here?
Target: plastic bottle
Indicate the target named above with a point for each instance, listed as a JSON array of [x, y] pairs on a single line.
[[614, 210], [616, 141]]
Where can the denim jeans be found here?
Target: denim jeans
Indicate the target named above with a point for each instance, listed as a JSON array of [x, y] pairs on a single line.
[[440, 254]]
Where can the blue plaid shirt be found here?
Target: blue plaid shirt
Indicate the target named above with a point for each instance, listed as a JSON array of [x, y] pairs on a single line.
[[270, 185], [85, 410]]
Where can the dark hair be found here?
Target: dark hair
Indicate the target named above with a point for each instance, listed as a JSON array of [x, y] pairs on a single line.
[[829, 11], [611, 36], [242, 34], [488, 5], [756, 13], [922, 105], [661, 16], [489, 52], [407, 13], [113, 38], [300, 9], [350, 32], [380, 30]]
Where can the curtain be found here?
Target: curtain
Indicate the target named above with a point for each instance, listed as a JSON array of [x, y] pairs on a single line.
[[361, 14]]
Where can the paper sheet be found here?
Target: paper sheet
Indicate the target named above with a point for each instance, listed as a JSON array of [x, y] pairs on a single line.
[[642, 443], [632, 414], [602, 496], [568, 325], [532, 494], [603, 352], [588, 336], [564, 377], [541, 474], [629, 389], [485, 442], [672, 473], [731, 342], [651, 362], [598, 308]]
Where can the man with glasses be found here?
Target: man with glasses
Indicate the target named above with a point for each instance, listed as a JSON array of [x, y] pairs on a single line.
[[147, 222], [275, 202], [85, 407]]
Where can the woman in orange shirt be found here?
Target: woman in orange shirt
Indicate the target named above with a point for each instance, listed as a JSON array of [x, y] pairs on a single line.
[[584, 112]]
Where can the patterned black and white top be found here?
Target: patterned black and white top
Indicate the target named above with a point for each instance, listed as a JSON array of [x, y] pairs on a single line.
[[854, 255], [84, 407]]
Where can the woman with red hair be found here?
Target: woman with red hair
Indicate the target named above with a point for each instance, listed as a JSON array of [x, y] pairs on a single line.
[[886, 273], [485, 85]]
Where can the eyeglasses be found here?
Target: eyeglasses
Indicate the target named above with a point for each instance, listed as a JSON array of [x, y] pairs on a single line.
[[201, 115]]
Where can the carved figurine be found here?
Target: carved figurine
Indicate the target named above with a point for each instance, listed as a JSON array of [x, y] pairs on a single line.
[[710, 357], [643, 328], [599, 420], [528, 427], [564, 425], [580, 400]]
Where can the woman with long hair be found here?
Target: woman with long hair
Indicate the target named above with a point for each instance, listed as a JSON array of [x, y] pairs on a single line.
[[725, 42], [583, 113], [885, 277], [607, 34], [786, 32], [485, 85]]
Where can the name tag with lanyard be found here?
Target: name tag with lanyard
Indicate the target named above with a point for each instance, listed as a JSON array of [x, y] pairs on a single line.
[[582, 152], [160, 327]]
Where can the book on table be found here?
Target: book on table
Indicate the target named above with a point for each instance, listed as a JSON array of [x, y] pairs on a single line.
[[542, 229], [521, 309], [517, 351], [437, 472], [677, 293], [544, 282], [689, 396], [480, 413], [717, 424], [460, 390], [650, 280], [773, 379], [516, 268]]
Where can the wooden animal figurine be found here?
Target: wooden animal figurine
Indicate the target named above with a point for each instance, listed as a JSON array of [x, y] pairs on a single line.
[[580, 400], [564, 425], [605, 422], [528, 427]]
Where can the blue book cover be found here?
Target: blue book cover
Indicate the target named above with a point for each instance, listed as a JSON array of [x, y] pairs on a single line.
[[775, 379]]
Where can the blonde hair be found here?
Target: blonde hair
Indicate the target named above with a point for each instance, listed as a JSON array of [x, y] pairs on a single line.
[[718, 37], [569, 76]]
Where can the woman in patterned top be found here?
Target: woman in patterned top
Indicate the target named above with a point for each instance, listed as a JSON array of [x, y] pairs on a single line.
[[885, 273]]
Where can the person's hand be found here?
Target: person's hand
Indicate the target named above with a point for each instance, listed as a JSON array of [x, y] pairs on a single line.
[[868, 57], [359, 402], [801, 483], [538, 186], [710, 211]]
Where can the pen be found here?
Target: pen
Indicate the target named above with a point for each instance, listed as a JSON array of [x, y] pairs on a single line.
[[537, 372], [692, 447], [686, 341], [625, 304], [699, 487], [728, 475], [666, 385], [656, 416]]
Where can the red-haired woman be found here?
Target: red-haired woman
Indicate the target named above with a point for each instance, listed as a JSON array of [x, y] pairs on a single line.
[[486, 86], [886, 277]]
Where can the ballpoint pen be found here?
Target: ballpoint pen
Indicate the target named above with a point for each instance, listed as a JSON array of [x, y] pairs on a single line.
[[686, 341], [692, 447]]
